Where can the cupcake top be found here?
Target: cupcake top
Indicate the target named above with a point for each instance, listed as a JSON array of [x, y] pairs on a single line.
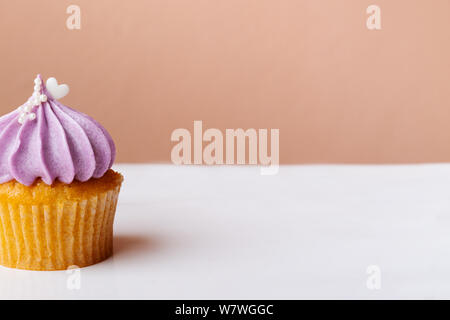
[[46, 139]]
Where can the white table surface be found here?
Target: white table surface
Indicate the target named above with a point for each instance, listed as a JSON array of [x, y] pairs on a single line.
[[186, 232]]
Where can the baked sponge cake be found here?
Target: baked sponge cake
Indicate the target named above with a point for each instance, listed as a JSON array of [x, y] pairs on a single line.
[[58, 194]]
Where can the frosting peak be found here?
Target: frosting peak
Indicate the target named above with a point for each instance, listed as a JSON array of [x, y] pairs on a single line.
[[45, 139]]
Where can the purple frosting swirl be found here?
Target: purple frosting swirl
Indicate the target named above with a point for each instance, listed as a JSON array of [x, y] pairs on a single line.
[[60, 143]]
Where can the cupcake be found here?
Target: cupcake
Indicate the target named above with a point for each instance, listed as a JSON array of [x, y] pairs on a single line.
[[58, 194]]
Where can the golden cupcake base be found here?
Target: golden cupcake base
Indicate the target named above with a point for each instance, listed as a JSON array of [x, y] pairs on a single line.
[[55, 227]]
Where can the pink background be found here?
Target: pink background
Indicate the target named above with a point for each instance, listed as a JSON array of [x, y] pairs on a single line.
[[337, 91]]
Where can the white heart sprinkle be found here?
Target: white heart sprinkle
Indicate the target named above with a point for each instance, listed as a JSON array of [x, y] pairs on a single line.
[[57, 91]]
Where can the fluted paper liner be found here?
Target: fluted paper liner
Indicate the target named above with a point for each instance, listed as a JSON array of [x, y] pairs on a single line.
[[57, 235]]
